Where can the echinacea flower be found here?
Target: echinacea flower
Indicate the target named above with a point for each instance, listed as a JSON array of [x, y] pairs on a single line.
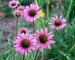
[[57, 23], [32, 12], [18, 13], [21, 8], [24, 43], [13, 4], [43, 39], [23, 30]]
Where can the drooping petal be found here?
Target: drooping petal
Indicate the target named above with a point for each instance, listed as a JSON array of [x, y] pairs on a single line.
[[25, 52], [45, 31], [51, 41], [38, 46], [48, 46], [60, 17]]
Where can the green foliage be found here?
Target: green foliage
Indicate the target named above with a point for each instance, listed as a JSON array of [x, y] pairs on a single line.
[[7, 10], [63, 49], [65, 44], [25, 2]]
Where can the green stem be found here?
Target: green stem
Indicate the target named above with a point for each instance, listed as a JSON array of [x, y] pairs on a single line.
[[36, 55], [36, 2], [48, 9], [23, 57], [33, 27], [42, 55], [0, 44], [26, 58], [68, 12], [71, 49], [13, 55], [0, 1], [16, 26], [54, 34], [21, 23]]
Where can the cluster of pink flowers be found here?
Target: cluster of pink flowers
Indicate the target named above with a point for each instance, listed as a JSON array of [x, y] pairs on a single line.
[[29, 12], [40, 40]]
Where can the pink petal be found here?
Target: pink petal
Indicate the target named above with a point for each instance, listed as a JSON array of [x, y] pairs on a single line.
[[41, 30], [60, 17], [52, 27], [29, 50], [27, 7], [32, 48], [31, 19], [49, 37], [38, 46], [37, 31], [57, 17], [42, 47], [50, 23], [51, 41], [45, 31], [48, 46], [56, 28], [25, 52], [63, 20], [50, 33], [17, 45], [53, 18]]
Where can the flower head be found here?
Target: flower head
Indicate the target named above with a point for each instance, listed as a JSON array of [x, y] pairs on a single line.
[[17, 13], [13, 4], [32, 12], [24, 43], [21, 8], [23, 30], [57, 23], [43, 39]]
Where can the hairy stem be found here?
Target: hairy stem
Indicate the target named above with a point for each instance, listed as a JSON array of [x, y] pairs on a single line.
[[54, 34], [73, 46], [68, 12], [16, 27], [48, 9], [21, 23], [36, 55], [33, 27], [23, 57]]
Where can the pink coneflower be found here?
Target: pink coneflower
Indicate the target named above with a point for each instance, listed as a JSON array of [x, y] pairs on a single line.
[[57, 23], [17, 13], [43, 39], [21, 8], [24, 43], [23, 30], [32, 12], [13, 4]]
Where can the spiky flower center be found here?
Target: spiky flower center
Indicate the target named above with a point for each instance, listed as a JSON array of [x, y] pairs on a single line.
[[25, 44], [21, 9], [18, 14], [32, 13], [23, 31], [57, 23], [43, 39], [13, 4]]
